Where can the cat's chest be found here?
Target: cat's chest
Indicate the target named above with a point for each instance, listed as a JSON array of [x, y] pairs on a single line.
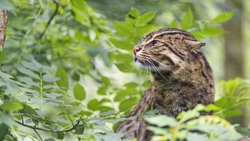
[[161, 97], [171, 98]]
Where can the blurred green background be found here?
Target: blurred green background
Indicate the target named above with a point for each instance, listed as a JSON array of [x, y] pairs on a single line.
[[65, 61]]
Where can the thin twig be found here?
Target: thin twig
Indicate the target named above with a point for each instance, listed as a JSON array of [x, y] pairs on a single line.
[[38, 135], [46, 130], [22, 119], [51, 18]]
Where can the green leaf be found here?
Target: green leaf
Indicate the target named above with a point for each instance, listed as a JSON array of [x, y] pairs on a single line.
[[212, 31], [124, 57], [145, 29], [102, 90], [238, 105], [126, 104], [124, 67], [37, 64], [79, 129], [94, 105], [223, 17], [134, 13], [104, 100], [247, 132], [187, 20], [197, 35], [4, 131], [3, 57], [184, 116], [105, 108], [79, 92], [201, 24], [221, 102], [125, 29], [79, 4], [122, 44], [35, 122], [50, 78], [111, 112], [231, 85], [198, 108], [130, 90], [28, 81], [131, 85], [53, 95], [173, 24], [232, 113], [7, 120], [28, 72], [28, 110], [132, 16], [162, 120], [120, 95], [85, 113], [70, 137], [146, 17], [29, 65], [76, 76], [147, 83], [230, 103], [80, 9], [159, 131], [11, 106], [105, 80], [59, 135], [63, 83], [212, 107], [12, 87], [5, 5]]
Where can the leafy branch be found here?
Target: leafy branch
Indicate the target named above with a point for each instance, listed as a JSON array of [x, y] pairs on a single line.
[[51, 18], [46, 130]]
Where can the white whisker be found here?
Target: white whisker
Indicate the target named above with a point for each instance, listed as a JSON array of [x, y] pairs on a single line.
[[153, 66], [163, 65]]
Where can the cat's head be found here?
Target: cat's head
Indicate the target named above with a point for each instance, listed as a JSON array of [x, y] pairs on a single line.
[[166, 49]]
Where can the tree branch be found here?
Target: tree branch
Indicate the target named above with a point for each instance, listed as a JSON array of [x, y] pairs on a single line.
[[46, 130], [3, 24], [51, 18]]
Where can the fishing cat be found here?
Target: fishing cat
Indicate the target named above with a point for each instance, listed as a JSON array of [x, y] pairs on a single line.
[[182, 77]]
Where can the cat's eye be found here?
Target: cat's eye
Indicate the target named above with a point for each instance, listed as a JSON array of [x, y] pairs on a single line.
[[152, 43]]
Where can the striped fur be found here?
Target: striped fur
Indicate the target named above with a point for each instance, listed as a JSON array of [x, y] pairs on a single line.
[[182, 77]]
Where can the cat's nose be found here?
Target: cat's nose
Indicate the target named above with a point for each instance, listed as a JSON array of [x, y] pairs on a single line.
[[136, 49]]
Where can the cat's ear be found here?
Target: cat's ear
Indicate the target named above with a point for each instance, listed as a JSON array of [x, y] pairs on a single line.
[[194, 44]]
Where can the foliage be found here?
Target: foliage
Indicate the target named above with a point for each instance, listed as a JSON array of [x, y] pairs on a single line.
[[51, 58], [212, 127], [236, 92]]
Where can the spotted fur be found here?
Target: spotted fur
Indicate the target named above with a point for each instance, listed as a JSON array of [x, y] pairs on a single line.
[[182, 77]]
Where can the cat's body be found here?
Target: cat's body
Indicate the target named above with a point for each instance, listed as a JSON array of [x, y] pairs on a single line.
[[182, 77]]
